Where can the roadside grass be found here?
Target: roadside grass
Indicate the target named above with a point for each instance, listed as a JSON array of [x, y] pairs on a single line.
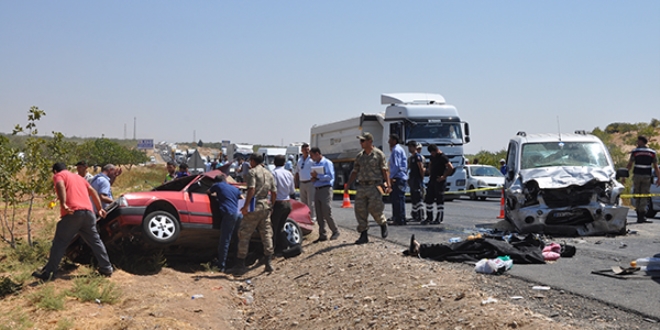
[[64, 324], [94, 288], [16, 319], [139, 178], [48, 298], [210, 267]]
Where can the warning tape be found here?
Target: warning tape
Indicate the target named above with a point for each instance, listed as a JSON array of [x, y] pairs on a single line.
[[638, 195], [460, 192]]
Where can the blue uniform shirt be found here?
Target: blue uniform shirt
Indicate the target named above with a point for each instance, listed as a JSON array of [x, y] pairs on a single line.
[[227, 196], [398, 164], [328, 176], [101, 183]]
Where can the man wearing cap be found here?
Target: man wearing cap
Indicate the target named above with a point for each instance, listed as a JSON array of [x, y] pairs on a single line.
[[503, 166], [440, 168], [399, 178], [303, 179], [370, 171], [81, 167], [415, 181], [644, 159]]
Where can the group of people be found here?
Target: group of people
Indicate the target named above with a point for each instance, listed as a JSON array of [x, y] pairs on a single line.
[[82, 197]]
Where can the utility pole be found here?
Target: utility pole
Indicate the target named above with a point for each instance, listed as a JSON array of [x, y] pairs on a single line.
[[124, 131], [134, 128], [194, 136]]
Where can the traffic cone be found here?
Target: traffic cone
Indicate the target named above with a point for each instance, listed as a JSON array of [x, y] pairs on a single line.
[[501, 216], [347, 200]]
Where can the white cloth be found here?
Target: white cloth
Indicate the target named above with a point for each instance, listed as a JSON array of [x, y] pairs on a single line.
[[284, 182]]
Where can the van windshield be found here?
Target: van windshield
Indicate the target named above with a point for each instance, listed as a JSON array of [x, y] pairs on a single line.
[[432, 131], [546, 154]]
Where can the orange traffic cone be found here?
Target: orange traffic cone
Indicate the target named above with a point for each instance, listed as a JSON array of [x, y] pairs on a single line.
[[347, 200], [501, 216]]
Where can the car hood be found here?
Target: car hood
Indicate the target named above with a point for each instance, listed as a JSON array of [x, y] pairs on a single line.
[[564, 176]]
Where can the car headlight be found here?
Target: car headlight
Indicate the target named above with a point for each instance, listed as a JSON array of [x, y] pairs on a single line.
[[122, 202], [481, 183]]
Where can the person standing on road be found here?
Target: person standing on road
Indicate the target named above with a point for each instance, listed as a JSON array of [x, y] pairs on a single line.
[[370, 171], [259, 182], [503, 166], [245, 168], [102, 183], [74, 194], [282, 208], [303, 179], [399, 178], [415, 181], [81, 167], [227, 197], [644, 159], [440, 168], [171, 171], [324, 180]]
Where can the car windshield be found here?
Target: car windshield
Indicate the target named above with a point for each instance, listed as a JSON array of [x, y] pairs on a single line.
[[563, 154], [485, 171], [176, 185], [430, 131]]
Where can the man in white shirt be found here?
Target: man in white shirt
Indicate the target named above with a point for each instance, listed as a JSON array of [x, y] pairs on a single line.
[[303, 179], [282, 207]]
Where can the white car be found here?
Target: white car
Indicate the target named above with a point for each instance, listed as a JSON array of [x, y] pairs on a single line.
[[484, 176]]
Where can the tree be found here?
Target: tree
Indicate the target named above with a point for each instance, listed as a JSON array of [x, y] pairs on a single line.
[[10, 166]]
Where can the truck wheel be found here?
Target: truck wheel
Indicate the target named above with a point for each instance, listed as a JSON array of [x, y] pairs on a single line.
[[161, 227]]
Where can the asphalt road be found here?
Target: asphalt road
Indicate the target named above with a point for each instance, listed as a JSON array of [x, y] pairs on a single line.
[[641, 295]]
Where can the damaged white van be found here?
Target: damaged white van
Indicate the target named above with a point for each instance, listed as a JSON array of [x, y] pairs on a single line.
[[562, 184]]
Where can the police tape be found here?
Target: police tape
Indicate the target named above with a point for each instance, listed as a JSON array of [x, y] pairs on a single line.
[[459, 192], [638, 195]]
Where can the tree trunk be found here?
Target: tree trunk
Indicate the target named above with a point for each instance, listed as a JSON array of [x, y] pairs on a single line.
[[29, 214]]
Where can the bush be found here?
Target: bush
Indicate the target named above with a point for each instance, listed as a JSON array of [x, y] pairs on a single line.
[[47, 298], [93, 287]]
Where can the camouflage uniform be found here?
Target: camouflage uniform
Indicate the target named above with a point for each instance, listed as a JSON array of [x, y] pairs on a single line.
[[262, 181], [368, 199]]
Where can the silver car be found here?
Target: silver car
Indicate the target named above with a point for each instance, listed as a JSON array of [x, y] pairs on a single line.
[[562, 185]]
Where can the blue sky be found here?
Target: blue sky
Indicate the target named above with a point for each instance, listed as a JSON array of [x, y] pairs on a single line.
[[264, 72]]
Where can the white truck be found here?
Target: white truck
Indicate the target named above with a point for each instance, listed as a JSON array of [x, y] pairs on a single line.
[[425, 118], [269, 154]]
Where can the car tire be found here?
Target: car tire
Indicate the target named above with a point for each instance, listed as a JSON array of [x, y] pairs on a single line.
[[291, 230], [482, 198], [650, 212], [161, 227], [473, 195]]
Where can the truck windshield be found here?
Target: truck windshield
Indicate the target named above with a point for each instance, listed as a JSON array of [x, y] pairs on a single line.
[[431, 131], [563, 154]]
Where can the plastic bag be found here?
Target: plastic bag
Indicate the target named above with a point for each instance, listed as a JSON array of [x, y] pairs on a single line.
[[496, 266]]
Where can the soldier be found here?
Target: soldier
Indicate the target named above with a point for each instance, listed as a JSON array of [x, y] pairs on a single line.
[[440, 168], [259, 182], [370, 171], [416, 181], [644, 159]]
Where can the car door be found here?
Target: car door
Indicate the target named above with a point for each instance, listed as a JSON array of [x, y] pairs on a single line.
[[198, 206]]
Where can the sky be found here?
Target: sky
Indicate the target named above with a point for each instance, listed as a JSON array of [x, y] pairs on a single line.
[[265, 72]]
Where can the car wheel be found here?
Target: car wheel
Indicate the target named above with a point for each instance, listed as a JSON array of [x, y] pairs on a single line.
[[650, 212], [293, 233], [161, 227], [482, 198], [473, 195]]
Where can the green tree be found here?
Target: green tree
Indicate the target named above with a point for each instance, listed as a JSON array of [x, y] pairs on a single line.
[[10, 166]]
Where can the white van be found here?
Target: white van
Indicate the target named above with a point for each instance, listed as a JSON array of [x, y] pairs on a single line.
[[269, 154]]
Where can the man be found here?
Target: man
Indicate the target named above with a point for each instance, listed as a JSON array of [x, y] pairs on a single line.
[[81, 167], [399, 178], [289, 164], [415, 181], [227, 197], [74, 194], [282, 208], [503, 166], [644, 159], [370, 171], [171, 171], [183, 171], [259, 182], [440, 169], [324, 180], [303, 179], [245, 168], [102, 183]]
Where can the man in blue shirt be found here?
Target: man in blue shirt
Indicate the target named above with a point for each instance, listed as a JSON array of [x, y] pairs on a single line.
[[323, 176], [227, 197], [399, 178], [102, 183], [503, 166]]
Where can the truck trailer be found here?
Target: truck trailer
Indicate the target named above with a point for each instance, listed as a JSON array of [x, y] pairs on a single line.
[[425, 118]]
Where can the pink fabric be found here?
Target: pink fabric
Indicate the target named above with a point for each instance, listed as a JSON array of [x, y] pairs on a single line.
[[552, 251]]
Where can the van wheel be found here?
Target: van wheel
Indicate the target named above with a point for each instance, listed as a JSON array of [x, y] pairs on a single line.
[[161, 227]]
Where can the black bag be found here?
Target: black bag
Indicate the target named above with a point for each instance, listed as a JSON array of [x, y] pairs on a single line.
[[567, 251]]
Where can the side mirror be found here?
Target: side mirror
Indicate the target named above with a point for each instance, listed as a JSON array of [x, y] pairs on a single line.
[[467, 139], [622, 173]]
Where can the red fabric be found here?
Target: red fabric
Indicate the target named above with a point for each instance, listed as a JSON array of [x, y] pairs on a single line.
[[77, 196]]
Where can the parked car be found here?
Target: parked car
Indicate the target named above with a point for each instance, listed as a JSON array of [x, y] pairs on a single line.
[[180, 213], [484, 176], [562, 185]]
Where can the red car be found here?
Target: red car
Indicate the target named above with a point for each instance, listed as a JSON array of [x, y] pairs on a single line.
[[181, 213]]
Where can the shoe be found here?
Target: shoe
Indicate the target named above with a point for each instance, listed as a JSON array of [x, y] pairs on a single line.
[[644, 221], [364, 238], [106, 273], [413, 249], [238, 269], [439, 217], [383, 231], [334, 236], [269, 267], [44, 276], [320, 239]]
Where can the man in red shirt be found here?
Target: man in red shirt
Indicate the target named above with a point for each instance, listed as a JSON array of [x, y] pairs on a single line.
[[74, 194]]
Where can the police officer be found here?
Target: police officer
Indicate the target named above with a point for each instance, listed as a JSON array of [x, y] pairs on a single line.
[[259, 182], [370, 171], [440, 168], [415, 181], [644, 159]]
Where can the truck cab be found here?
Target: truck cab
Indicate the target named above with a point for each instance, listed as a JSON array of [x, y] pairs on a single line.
[[269, 154]]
